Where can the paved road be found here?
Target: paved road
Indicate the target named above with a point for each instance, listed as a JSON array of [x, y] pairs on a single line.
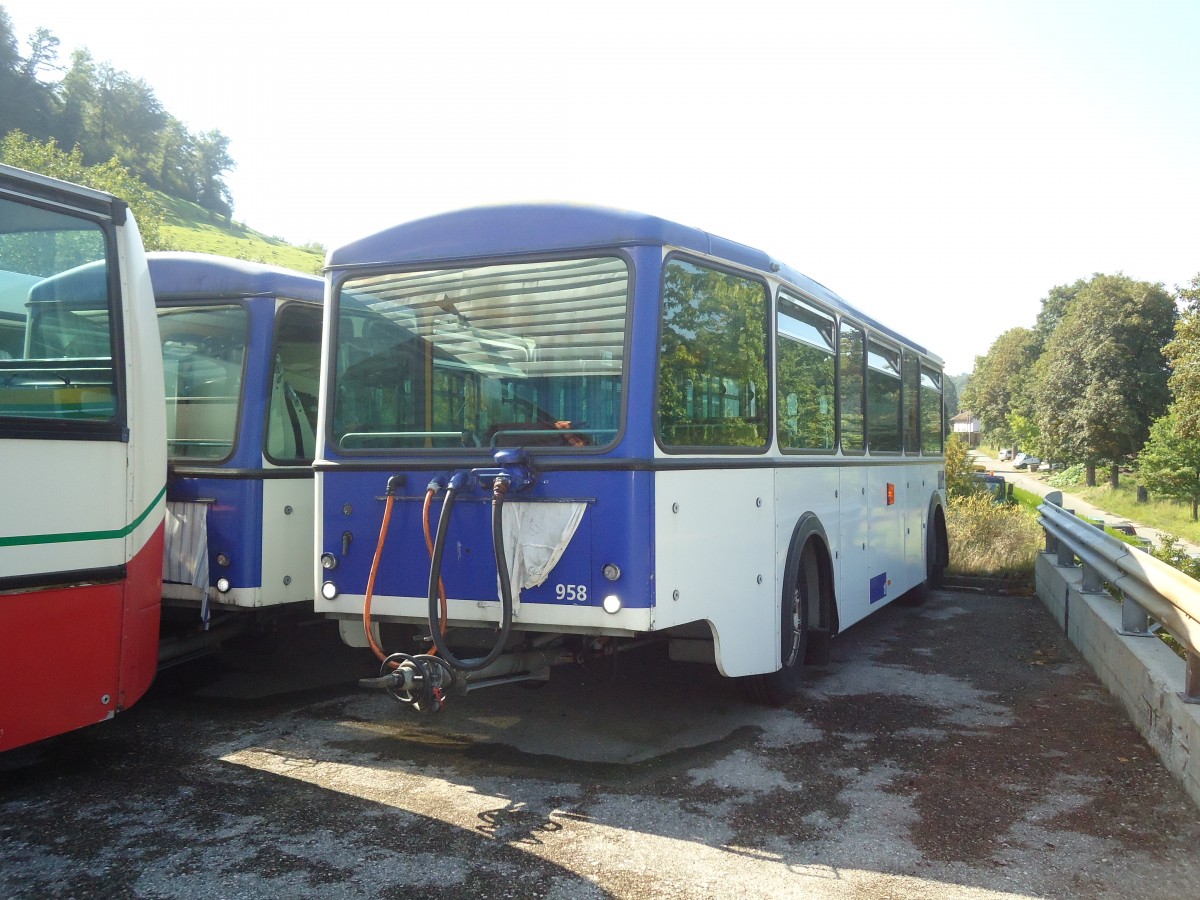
[[959, 750]]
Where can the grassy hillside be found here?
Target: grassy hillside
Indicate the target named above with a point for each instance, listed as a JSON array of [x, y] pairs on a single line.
[[188, 227]]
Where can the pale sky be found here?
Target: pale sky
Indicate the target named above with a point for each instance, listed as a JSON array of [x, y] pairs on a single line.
[[940, 165]]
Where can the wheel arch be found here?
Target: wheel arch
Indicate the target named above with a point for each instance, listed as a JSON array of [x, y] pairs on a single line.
[[809, 527], [938, 543]]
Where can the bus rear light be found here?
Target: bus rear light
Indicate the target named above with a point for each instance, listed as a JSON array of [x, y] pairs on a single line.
[[612, 604], [329, 590], [891, 494], [223, 585]]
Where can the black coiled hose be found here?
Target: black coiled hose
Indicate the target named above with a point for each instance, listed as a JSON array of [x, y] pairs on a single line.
[[499, 489]]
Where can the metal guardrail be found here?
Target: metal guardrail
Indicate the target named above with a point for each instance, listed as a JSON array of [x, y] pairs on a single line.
[[1150, 589]]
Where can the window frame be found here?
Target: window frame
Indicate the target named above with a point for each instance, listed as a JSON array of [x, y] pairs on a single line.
[[768, 358], [910, 407], [845, 323], [282, 306], [896, 349], [924, 366], [109, 428], [805, 302], [249, 348], [339, 285]]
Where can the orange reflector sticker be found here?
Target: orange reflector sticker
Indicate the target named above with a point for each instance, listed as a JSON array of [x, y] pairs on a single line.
[[891, 494]]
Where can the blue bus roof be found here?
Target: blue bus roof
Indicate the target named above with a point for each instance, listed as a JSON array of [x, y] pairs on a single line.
[[179, 275], [548, 228]]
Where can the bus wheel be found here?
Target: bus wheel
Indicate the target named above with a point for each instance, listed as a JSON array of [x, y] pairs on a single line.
[[804, 601]]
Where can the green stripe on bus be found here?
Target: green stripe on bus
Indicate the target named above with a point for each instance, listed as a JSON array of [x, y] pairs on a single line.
[[21, 540]]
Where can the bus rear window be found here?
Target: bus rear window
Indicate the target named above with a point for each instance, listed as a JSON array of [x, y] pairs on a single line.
[[56, 326], [525, 354]]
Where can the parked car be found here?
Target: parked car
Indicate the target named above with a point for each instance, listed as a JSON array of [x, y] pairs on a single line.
[[1025, 461], [1127, 528], [1006, 454], [995, 485]]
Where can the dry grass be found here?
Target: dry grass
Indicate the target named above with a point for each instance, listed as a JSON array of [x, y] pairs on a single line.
[[991, 539]]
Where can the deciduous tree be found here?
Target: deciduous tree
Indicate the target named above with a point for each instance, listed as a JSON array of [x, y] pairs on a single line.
[[1169, 464], [1102, 379], [1183, 355], [998, 378]]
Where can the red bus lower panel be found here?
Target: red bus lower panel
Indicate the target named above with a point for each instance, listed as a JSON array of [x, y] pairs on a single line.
[[73, 656]]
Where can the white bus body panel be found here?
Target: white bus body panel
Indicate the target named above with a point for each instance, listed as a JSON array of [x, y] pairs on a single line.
[[287, 541], [65, 486], [715, 562], [147, 415], [853, 550], [96, 488]]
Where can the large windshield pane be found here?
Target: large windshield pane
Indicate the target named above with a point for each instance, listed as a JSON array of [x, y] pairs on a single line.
[[528, 354], [203, 350], [56, 341]]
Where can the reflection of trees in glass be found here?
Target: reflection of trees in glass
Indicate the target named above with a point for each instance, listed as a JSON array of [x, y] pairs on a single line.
[[712, 387], [912, 387], [932, 425], [883, 398], [805, 382], [850, 365]]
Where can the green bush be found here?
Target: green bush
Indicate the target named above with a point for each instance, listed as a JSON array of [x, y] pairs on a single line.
[[1069, 477]]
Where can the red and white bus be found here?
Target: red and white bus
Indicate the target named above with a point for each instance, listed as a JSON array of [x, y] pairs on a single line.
[[82, 459]]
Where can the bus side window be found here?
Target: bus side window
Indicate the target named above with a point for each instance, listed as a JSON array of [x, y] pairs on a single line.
[[804, 377], [712, 383], [912, 388], [883, 399], [852, 350], [931, 411], [292, 417]]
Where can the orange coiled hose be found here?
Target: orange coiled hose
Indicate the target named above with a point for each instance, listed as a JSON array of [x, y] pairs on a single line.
[[383, 530]]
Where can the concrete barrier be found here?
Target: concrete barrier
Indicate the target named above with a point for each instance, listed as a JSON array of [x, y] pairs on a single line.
[[1141, 672]]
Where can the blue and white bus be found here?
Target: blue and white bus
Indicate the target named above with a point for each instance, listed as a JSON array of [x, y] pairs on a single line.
[[241, 346], [624, 428]]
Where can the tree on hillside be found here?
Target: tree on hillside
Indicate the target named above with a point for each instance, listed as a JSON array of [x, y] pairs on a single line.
[[213, 161], [107, 114], [1169, 464], [25, 103], [1102, 379], [47, 159], [1183, 355], [997, 380]]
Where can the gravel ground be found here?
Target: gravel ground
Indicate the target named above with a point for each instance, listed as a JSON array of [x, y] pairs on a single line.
[[962, 749]]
